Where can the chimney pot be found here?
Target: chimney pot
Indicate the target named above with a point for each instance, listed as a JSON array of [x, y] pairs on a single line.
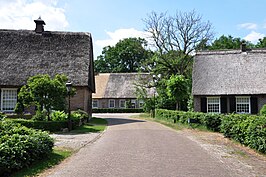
[[243, 47], [39, 25]]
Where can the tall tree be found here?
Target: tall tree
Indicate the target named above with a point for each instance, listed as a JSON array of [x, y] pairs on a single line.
[[261, 43], [175, 38], [227, 42], [127, 55]]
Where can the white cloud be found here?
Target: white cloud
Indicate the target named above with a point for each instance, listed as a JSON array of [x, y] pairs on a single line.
[[254, 37], [250, 26], [120, 34], [19, 14]]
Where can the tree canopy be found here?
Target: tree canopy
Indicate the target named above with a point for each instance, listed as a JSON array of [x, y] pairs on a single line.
[[44, 92], [128, 55]]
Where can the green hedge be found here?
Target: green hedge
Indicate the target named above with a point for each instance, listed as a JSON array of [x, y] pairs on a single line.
[[21, 146], [51, 126], [109, 110], [249, 130]]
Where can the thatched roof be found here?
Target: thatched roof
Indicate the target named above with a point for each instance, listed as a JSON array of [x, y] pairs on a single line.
[[229, 72], [24, 53], [117, 85]]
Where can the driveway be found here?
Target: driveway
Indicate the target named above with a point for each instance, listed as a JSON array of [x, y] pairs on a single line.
[[132, 147]]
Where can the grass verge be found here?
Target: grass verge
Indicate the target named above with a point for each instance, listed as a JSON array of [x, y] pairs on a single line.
[[51, 160], [94, 125]]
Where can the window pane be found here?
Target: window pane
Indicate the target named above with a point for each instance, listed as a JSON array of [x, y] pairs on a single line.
[[213, 105], [9, 100], [242, 104], [111, 103]]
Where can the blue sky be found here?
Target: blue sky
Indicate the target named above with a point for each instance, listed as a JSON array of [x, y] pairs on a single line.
[[111, 20]]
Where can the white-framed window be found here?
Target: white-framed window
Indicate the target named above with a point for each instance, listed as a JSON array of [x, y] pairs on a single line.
[[8, 99], [111, 103], [95, 103], [133, 103], [213, 105], [243, 104], [122, 103], [141, 103]]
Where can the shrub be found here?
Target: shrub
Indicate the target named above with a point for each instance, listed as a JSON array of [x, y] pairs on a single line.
[[58, 116], [51, 126], [116, 110], [263, 110], [247, 129], [2, 116], [21, 146], [40, 116]]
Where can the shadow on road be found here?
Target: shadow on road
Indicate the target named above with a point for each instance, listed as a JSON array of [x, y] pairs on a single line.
[[118, 121]]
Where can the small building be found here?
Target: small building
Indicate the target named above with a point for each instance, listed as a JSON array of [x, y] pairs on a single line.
[[25, 53], [230, 81], [117, 90]]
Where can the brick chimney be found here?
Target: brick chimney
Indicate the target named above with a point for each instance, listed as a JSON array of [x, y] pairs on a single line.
[[243, 47], [39, 25]]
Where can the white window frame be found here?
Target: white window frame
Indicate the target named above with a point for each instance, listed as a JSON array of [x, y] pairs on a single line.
[[141, 102], [120, 103], [249, 104], [110, 103], [97, 102], [2, 99], [133, 102], [208, 99]]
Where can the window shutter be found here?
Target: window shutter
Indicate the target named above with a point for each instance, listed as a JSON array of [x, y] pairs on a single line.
[[232, 101], [203, 104], [254, 105], [223, 105]]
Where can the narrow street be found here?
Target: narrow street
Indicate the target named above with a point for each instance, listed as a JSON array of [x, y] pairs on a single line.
[[132, 147]]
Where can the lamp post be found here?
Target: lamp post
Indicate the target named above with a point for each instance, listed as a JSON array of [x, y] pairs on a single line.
[[154, 78], [69, 86]]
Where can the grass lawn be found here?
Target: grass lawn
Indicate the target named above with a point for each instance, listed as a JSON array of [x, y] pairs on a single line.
[[94, 125], [176, 126]]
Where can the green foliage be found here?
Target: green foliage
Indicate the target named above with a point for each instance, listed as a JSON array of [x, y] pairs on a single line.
[[228, 42], [2, 116], [263, 110], [44, 92], [261, 43], [79, 114], [51, 126], [21, 146], [40, 115], [58, 116], [247, 129], [177, 88], [127, 55], [110, 110]]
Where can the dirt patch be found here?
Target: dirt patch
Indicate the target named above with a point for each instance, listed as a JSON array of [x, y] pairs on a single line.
[[243, 160]]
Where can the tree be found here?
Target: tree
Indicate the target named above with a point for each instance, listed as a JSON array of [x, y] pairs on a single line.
[[261, 43], [126, 56], [227, 42], [177, 89], [175, 38], [44, 92]]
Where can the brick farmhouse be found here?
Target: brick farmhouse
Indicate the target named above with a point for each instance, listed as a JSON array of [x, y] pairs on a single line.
[[25, 53]]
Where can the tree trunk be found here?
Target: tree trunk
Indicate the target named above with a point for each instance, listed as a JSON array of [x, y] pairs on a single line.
[[177, 106]]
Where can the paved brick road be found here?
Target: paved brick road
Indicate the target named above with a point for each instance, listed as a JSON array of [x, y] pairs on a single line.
[[138, 148]]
